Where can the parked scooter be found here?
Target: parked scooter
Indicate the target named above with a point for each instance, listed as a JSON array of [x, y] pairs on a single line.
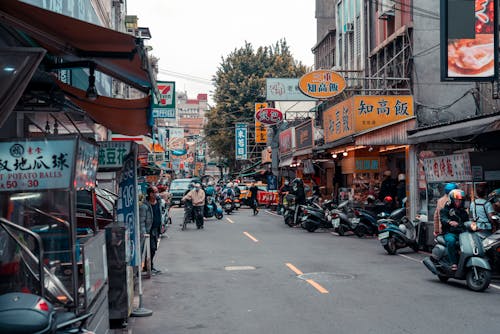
[[395, 234], [314, 218], [211, 209], [473, 266], [23, 313], [491, 247], [367, 225], [342, 218]]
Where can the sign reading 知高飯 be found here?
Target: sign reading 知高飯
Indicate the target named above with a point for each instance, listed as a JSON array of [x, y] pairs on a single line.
[[241, 141], [34, 165], [165, 107], [364, 112], [322, 84]]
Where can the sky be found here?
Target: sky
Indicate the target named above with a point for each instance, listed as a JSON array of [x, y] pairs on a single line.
[[191, 37]]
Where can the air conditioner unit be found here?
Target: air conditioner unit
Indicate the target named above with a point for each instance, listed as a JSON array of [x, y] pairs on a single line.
[[386, 9], [349, 27]]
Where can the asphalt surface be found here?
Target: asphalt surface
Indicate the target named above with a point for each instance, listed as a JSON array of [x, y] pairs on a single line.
[[253, 274]]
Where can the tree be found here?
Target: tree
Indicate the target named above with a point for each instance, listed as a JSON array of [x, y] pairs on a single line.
[[240, 82]]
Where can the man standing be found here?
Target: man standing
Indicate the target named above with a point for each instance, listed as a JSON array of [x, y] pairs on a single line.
[[387, 187], [197, 197], [252, 191], [152, 199]]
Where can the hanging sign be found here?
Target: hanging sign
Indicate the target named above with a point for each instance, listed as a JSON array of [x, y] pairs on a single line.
[[455, 167], [260, 129], [322, 84], [165, 106], [269, 116], [112, 153], [241, 141], [34, 165]]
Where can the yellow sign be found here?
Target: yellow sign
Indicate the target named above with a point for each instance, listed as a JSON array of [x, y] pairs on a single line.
[[363, 112], [260, 129], [322, 84]]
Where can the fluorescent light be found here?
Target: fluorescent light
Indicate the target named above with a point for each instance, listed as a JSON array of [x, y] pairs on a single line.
[[24, 196]]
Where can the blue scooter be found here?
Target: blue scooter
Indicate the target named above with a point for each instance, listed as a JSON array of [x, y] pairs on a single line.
[[212, 209], [397, 231]]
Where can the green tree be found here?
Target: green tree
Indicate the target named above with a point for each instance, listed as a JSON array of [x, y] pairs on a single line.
[[240, 82]]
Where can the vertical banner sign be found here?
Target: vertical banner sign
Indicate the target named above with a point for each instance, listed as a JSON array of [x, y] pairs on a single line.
[[128, 205], [165, 107], [241, 141], [469, 40], [260, 129]]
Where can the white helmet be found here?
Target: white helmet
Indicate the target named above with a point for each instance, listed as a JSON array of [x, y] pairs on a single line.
[[401, 177], [229, 184]]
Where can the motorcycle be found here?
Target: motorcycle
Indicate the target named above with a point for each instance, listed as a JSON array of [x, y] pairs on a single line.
[[342, 218], [228, 205], [212, 209], [395, 234], [491, 246], [367, 222], [473, 266], [237, 203], [23, 313], [314, 218], [188, 215]]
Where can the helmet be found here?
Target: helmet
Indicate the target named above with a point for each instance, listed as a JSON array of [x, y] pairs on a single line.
[[494, 196], [210, 183], [449, 187], [387, 173], [230, 184], [387, 199], [457, 194], [401, 177], [370, 198]]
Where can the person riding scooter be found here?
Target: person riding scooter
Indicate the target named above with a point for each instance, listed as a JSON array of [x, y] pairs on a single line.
[[453, 216]]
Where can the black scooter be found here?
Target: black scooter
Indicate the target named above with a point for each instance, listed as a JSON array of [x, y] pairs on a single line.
[[23, 313], [342, 218], [315, 217]]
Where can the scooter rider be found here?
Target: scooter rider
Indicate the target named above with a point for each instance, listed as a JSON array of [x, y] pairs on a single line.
[[453, 216], [197, 197]]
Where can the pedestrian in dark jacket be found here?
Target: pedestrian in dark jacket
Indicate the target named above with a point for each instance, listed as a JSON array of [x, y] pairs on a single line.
[[252, 191], [154, 232]]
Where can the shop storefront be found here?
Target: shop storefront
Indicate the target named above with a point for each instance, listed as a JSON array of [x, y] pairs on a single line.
[[286, 164], [365, 136]]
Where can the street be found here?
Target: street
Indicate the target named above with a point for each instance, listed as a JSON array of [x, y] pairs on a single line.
[[253, 274]]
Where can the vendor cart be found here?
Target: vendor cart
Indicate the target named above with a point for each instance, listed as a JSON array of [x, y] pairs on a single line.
[[39, 182]]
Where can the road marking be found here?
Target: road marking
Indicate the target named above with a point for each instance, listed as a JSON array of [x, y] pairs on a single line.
[[250, 236], [229, 220], [495, 286], [410, 258], [313, 283]]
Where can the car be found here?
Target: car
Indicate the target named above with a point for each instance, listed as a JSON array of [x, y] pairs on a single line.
[[179, 187]]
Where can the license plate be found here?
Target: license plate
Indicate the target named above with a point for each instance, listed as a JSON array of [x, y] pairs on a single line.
[[336, 222], [383, 235], [176, 202]]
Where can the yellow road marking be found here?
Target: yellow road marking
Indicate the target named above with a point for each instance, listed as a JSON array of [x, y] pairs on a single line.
[[250, 236], [313, 283], [229, 220], [294, 269]]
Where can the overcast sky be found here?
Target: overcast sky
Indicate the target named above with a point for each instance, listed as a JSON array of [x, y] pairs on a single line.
[[190, 37]]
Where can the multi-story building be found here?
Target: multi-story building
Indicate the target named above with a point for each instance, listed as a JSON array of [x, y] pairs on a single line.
[[191, 113]]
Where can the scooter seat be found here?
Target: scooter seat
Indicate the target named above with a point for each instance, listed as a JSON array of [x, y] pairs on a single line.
[[440, 240]]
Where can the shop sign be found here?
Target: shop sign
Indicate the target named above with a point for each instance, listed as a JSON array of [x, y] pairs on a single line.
[[364, 112], [164, 107], [260, 129], [286, 142], [284, 89], [304, 135], [112, 153], [266, 155], [156, 157], [455, 167], [269, 116], [86, 165], [469, 40], [36, 165], [366, 165], [127, 205], [322, 84], [241, 141]]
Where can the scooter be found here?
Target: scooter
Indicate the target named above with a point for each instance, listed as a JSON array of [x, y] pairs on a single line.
[[394, 234], [367, 223], [237, 203], [188, 215], [289, 205], [491, 246], [473, 266], [342, 218], [228, 205], [23, 313], [212, 209], [314, 218]]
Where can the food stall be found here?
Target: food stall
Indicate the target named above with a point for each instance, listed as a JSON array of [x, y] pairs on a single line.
[[39, 182]]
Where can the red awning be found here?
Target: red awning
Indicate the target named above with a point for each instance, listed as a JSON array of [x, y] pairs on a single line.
[[117, 54], [127, 117]]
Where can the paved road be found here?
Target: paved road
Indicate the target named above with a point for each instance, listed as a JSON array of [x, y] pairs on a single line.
[[246, 274]]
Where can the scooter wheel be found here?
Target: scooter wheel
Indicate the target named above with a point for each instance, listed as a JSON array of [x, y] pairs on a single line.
[[341, 230], [391, 246], [311, 228], [218, 215], [479, 283], [360, 231], [289, 221], [443, 279]]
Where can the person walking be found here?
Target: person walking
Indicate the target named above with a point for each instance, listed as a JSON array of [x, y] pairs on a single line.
[[154, 232], [197, 198], [252, 192], [145, 219]]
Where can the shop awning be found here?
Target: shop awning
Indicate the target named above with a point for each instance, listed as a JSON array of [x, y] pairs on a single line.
[[285, 161], [117, 54], [388, 134], [337, 143], [455, 130], [127, 117]]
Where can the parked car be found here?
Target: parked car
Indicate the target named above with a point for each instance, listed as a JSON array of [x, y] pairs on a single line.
[[179, 187]]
